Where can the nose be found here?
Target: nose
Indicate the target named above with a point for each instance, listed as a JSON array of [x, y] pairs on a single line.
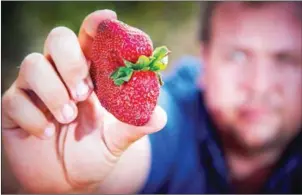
[[260, 77]]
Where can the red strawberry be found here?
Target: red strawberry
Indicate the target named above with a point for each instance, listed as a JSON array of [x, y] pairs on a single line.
[[125, 71]]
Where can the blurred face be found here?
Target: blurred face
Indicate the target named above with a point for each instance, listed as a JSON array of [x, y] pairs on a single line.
[[253, 72]]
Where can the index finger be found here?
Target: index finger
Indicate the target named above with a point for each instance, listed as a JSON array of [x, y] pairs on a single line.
[[89, 27]]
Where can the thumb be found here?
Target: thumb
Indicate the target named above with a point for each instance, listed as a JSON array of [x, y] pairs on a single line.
[[89, 28], [88, 158], [118, 136]]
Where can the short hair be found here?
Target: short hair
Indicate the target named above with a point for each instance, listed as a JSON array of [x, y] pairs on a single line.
[[208, 8]]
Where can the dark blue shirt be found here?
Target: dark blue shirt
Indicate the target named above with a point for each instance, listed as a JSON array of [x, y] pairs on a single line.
[[187, 155]]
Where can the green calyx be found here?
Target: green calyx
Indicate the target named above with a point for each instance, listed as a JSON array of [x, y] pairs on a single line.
[[156, 62]]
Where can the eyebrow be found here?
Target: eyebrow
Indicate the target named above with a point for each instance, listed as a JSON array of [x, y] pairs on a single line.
[[288, 53], [278, 51], [231, 46]]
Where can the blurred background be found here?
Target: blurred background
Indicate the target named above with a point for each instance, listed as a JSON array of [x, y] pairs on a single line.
[[25, 26]]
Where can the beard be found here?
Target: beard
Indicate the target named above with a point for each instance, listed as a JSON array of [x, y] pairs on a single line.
[[252, 123], [250, 138], [251, 145]]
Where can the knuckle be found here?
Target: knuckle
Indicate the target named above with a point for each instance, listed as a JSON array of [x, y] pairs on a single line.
[[9, 101], [60, 30], [29, 63], [32, 58], [57, 35], [62, 44]]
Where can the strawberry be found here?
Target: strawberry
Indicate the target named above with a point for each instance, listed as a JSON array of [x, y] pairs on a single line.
[[125, 71]]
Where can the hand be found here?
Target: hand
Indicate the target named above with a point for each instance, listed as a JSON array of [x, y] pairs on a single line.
[[56, 135]]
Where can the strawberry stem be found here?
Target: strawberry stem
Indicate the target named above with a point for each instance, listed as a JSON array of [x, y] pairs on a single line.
[[156, 62]]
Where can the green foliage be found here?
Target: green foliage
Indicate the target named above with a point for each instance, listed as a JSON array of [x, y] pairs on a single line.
[[26, 24], [139, 14], [153, 63]]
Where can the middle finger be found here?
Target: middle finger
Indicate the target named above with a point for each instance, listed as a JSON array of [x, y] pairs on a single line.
[[63, 48]]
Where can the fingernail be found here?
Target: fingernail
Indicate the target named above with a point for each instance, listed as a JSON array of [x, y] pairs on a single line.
[[93, 23], [49, 131], [82, 89], [91, 27], [68, 112]]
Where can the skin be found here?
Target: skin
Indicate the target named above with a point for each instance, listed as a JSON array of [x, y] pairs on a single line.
[[253, 82], [83, 151], [256, 100]]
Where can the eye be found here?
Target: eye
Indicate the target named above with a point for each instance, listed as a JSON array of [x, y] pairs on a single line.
[[237, 56]]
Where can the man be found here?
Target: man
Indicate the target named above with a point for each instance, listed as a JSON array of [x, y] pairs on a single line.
[[237, 129]]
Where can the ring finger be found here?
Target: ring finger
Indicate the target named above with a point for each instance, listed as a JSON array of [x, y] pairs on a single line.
[[37, 74]]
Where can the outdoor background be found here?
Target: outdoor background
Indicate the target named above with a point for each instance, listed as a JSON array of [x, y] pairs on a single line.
[[25, 26]]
